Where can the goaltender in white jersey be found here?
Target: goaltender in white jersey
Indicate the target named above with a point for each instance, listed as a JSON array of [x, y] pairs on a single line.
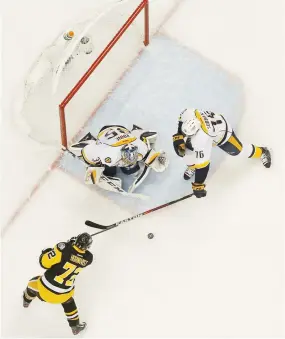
[[198, 132], [116, 146]]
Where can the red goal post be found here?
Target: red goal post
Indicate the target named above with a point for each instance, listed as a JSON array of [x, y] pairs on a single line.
[[144, 5]]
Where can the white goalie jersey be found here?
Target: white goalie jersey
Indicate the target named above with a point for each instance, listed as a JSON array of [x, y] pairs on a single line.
[[106, 150], [116, 146]]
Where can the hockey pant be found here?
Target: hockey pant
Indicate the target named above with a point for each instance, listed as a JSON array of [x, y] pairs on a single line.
[[34, 290], [233, 146]]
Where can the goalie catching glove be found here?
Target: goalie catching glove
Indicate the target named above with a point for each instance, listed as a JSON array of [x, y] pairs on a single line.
[[157, 161]]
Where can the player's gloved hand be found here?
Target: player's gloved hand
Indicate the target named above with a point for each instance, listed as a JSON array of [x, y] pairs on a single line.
[[179, 144], [199, 190]]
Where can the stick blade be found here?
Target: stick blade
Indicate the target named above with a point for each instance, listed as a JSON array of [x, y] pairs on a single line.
[[95, 225]]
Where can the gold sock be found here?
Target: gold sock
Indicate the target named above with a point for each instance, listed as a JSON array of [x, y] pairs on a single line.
[[256, 153]]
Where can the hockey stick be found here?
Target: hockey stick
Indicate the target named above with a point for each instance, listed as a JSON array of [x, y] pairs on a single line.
[[116, 224], [116, 187]]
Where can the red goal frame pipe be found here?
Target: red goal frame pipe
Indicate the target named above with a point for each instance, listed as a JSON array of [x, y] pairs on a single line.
[[143, 5]]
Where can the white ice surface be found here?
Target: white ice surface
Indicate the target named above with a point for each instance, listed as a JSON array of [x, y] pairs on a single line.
[[216, 265]]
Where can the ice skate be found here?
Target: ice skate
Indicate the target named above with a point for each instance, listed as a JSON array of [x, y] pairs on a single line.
[[266, 157], [188, 174], [26, 304], [78, 328]]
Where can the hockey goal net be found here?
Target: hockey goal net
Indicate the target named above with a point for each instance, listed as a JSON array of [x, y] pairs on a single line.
[[77, 71]]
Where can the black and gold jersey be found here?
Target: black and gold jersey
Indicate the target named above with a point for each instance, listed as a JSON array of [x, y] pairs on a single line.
[[63, 263]]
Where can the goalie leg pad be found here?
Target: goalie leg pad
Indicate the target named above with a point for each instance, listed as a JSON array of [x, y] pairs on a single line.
[[149, 138], [110, 184], [139, 180], [93, 175]]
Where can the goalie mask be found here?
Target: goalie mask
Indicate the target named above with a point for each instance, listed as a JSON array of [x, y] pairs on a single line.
[[129, 154]]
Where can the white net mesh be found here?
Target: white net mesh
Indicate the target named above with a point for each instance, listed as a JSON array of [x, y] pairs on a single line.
[[64, 62]]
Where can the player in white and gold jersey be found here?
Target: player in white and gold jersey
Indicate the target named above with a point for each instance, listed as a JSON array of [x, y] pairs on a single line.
[[198, 132]]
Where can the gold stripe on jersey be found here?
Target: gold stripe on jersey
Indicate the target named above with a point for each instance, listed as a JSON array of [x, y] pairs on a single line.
[[124, 141], [86, 159], [204, 164], [48, 261], [232, 140], [203, 125], [78, 249], [102, 132]]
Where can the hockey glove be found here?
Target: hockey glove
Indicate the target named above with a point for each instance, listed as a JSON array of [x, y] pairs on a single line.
[[179, 144], [199, 190]]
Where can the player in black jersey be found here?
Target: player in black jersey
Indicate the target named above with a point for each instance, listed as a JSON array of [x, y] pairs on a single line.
[[62, 263]]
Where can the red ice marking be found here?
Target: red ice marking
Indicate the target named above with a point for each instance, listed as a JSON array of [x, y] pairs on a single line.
[[57, 160]]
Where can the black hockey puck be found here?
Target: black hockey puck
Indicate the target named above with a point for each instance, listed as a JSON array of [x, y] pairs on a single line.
[[150, 235]]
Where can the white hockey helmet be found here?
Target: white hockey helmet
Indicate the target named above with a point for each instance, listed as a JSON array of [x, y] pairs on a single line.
[[192, 124], [129, 154]]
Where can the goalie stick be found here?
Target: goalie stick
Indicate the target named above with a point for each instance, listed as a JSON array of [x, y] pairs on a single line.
[[119, 189], [116, 224]]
